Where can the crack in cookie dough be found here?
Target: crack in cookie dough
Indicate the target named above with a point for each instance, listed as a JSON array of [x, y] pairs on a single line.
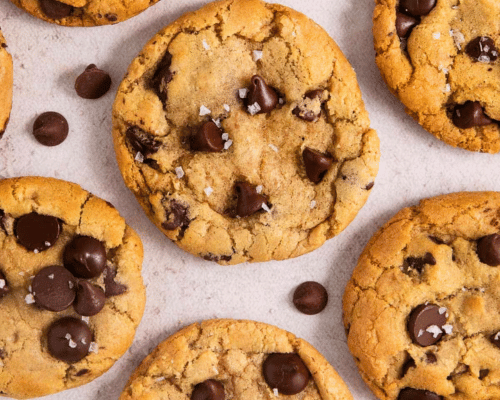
[[6, 82]]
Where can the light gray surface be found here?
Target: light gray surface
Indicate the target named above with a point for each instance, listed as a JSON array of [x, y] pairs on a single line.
[[181, 288]]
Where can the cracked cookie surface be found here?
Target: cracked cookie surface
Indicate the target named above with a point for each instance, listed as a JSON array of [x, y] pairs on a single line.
[[28, 349], [211, 126], [440, 58], [84, 12], [421, 308], [6, 82], [232, 353]]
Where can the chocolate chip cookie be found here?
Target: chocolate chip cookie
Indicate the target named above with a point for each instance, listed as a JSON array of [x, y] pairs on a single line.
[[84, 12], [241, 130], [6, 81], [71, 292], [421, 308], [228, 359], [440, 58]]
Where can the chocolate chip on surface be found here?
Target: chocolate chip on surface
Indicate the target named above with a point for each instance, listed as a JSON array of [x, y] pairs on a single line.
[[50, 128], [488, 250], [249, 200], [417, 7], [90, 299], [141, 141], [482, 49], [286, 372], [176, 216], [208, 390], [207, 138], [405, 24], [425, 324], [162, 77], [310, 108], [418, 263], [416, 394], [37, 232], [469, 115], [316, 164], [310, 298], [85, 257], [54, 288], [4, 285], [111, 287], [55, 9], [93, 83], [261, 98], [410, 363], [69, 339]]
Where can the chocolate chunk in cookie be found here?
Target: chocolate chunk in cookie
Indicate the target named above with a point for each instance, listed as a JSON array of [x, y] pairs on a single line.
[[208, 390], [55, 9], [286, 372], [316, 163], [470, 115], [69, 339], [482, 49], [50, 128], [207, 138], [162, 77], [176, 216], [85, 257], [142, 142], [488, 249], [417, 394], [54, 288], [310, 298], [250, 200], [111, 287], [93, 83], [261, 98], [37, 232], [310, 108], [418, 263], [90, 299]]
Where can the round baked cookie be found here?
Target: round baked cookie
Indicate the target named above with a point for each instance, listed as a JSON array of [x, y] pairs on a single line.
[[238, 360], [241, 130], [6, 81], [440, 58], [421, 308], [84, 12], [71, 292]]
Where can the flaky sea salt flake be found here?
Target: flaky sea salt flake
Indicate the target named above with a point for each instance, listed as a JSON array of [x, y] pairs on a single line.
[[206, 45], [447, 88], [484, 59], [225, 136], [217, 122], [272, 146], [254, 108], [243, 93], [442, 310], [208, 191], [228, 144], [276, 393], [265, 207], [313, 204], [179, 172], [2, 283], [67, 336], [259, 188], [51, 276], [448, 329], [94, 348], [29, 299], [204, 111], [227, 108], [139, 157], [257, 55], [436, 35], [434, 330], [72, 344], [86, 319]]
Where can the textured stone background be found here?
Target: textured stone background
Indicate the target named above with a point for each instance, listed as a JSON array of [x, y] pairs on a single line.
[[181, 288]]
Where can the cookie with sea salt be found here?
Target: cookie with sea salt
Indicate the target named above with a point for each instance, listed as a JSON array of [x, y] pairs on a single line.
[[71, 292], [230, 359], [421, 308], [241, 130], [440, 58], [6, 81]]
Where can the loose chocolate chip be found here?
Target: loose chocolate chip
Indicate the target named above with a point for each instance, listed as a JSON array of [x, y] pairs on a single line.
[[90, 299], [482, 49], [417, 7], [176, 216], [286, 372], [162, 77], [410, 363], [55, 9], [141, 141], [303, 112], [54, 288], [469, 115], [4, 285], [416, 394], [483, 373], [111, 17], [208, 390], [425, 324], [310, 298], [207, 138], [85, 257], [262, 94], [430, 358], [495, 339], [92, 83], [316, 164], [249, 201], [50, 128], [111, 287], [405, 24], [69, 339], [418, 263], [370, 186], [37, 232], [488, 249]]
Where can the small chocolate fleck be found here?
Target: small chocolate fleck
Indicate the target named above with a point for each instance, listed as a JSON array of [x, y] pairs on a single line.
[[214, 258], [82, 372], [111, 17], [111, 287], [141, 141], [208, 390], [55, 9], [176, 216], [469, 115], [262, 94], [370, 186], [286, 372], [50, 128], [93, 83], [207, 138], [316, 164], [488, 250], [162, 77], [310, 298]]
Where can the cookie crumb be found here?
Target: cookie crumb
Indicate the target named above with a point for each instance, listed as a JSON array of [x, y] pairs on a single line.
[[179, 172]]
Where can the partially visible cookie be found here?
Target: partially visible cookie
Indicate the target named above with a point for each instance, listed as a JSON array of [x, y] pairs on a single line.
[[6, 81], [440, 58], [233, 359], [241, 130], [84, 12], [71, 292], [421, 309]]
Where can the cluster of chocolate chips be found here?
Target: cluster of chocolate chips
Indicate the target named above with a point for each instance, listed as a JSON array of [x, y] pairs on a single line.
[[408, 16]]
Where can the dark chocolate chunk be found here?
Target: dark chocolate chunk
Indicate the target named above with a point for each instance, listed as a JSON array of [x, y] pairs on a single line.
[[417, 394], [214, 258], [37, 232], [82, 372], [405, 24], [208, 390], [4, 285], [2, 218], [286, 372], [55, 9], [482, 49], [425, 324], [162, 77], [176, 216], [410, 363], [417, 7], [141, 141], [111, 287], [316, 163], [85, 257], [488, 249], [92, 83], [54, 288], [69, 339], [262, 94], [418, 263], [469, 115], [430, 358], [483, 373], [90, 299], [111, 17], [310, 298], [50, 128], [495, 339], [207, 138], [249, 201]]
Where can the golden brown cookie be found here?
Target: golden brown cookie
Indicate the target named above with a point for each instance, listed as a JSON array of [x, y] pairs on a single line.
[[241, 130], [6, 81], [238, 360], [440, 58], [71, 292], [421, 308]]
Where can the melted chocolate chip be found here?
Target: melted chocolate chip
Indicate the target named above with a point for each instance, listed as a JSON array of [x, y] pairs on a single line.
[[85, 257], [50, 128], [405, 24], [4, 285], [208, 390], [302, 110], [176, 216], [286, 372], [37, 232], [207, 138], [316, 163], [410, 363], [162, 77], [416, 394], [417, 7], [141, 141], [262, 94], [55, 9], [418, 263], [69, 339], [488, 249], [482, 49], [495, 339], [54, 288], [425, 324], [310, 298], [111, 287], [90, 299], [249, 201], [469, 115], [92, 83]]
